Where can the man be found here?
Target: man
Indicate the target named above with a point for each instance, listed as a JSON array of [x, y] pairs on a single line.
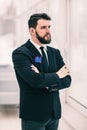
[[41, 73]]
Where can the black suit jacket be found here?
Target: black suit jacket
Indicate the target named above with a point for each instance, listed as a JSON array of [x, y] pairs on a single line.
[[36, 101]]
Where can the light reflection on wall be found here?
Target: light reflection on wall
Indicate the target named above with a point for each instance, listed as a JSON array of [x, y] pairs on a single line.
[[7, 30]]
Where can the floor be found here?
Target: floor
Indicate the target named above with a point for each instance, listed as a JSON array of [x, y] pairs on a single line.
[[9, 119]]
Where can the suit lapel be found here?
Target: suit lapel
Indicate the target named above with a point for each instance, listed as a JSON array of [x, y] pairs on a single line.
[[34, 54], [32, 48], [51, 59]]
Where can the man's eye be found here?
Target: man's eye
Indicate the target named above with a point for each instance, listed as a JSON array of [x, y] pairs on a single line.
[[43, 27], [49, 26]]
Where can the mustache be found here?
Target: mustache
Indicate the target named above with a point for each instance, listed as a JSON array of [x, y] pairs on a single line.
[[47, 34]]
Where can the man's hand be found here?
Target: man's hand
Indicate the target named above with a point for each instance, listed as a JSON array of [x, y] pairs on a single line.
[[34, 68], [63, 72]]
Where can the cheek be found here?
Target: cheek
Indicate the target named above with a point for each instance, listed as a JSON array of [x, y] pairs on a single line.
[[41, 32]]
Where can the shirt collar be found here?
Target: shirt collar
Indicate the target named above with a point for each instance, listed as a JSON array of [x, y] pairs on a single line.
[[38, 46]]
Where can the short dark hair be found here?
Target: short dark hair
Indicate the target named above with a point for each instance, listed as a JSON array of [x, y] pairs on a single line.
[[32, 22]]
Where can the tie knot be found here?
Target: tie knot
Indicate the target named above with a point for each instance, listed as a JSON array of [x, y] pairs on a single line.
[[42, 48]]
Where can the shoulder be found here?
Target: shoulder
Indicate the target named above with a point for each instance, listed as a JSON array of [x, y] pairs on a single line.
[[17, 54], [20, 52], [55, 50], [21, 49]]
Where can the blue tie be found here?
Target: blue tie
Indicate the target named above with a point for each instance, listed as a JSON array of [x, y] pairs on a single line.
[[44, 60]]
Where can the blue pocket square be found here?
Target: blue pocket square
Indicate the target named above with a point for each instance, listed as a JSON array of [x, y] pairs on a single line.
[[38, 59]]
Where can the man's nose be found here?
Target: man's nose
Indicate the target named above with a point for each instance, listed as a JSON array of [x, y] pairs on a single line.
[[48, 29]]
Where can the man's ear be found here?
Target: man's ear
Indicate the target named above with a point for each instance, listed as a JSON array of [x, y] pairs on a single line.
[[32, 31]]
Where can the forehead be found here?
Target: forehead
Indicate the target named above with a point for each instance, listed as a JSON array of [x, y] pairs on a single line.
[[43, 22]]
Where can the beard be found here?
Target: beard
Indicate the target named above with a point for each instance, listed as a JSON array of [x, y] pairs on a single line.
[[42, 39]]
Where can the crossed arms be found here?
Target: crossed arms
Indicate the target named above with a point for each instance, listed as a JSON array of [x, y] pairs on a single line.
[[29, 74], [63, 72]]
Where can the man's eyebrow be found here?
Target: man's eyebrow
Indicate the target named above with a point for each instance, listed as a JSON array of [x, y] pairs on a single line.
[[44, 26]]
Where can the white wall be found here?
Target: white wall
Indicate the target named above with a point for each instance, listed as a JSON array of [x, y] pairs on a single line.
[[78, 42]]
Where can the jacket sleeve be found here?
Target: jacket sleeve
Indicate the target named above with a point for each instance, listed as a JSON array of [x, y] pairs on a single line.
[[63, 82], [66, 81], [22, 66]]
